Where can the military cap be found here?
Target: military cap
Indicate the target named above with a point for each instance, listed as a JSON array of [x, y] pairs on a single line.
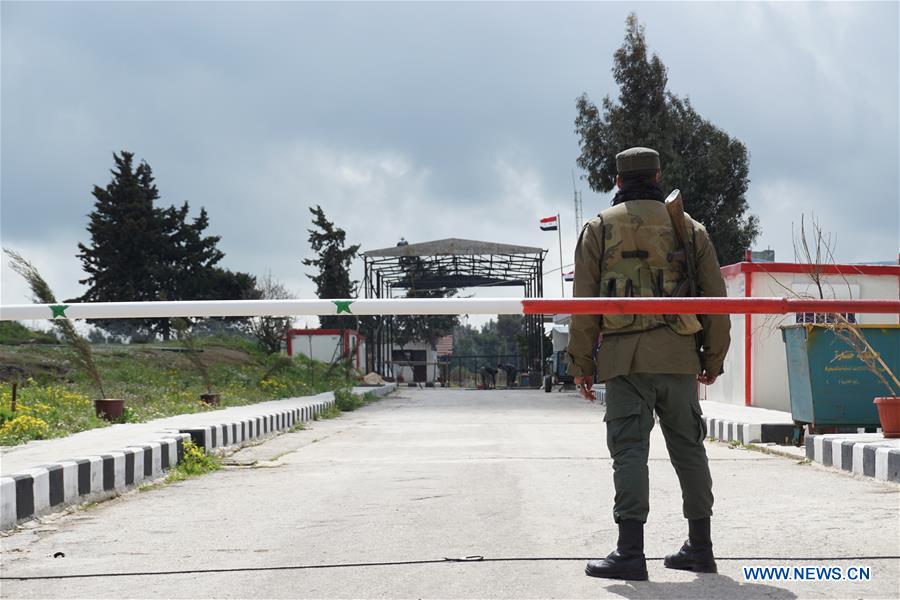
[[637, 160]]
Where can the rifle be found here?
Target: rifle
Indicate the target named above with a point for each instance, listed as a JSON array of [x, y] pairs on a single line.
[[675, 208]]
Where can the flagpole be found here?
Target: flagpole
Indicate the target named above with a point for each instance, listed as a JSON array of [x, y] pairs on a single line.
[[562, 277]]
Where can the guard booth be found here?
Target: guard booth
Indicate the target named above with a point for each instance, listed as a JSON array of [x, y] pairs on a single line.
[[415, 362]]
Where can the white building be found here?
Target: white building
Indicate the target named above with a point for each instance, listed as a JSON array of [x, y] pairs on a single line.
[[756, 365], [328, 345]]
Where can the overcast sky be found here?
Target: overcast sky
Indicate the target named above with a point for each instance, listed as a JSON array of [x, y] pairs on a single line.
[[424, 120]]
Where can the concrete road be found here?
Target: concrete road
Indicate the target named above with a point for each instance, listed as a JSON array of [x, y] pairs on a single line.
[[427, 474]]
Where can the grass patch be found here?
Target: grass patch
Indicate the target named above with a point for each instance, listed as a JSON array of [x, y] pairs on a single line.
[[155, 381], [345, 400], [330, 412], [194, 462], [298, 427], [146, 487], [13, 333]]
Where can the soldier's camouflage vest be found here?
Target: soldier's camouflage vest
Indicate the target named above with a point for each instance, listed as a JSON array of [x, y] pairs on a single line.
[[638, 261]]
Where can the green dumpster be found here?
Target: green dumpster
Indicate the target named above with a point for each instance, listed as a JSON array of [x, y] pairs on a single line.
[[830, 386]]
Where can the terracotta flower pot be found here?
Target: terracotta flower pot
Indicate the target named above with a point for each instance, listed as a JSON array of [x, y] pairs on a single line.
[[211, 399], [110, 409], [889, 415]]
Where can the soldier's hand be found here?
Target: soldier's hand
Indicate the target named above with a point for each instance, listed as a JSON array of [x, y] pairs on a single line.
[[706, 379], [584, 387]]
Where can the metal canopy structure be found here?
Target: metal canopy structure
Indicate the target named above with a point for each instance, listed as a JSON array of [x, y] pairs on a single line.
[[451, 263]]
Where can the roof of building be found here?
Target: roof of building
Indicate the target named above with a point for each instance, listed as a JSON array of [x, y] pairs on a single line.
[[452, 246]]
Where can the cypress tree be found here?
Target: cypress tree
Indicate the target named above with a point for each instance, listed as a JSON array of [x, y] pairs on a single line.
[[710, 167], [125, 260], [333, 264]]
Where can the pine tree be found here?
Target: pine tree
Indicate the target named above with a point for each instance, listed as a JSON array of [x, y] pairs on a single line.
[[710, 167], [125, 259], [333, 264], [141, 252], [190, 256]]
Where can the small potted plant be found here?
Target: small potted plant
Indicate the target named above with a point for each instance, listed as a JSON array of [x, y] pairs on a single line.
[[186, 337], [110, 409]]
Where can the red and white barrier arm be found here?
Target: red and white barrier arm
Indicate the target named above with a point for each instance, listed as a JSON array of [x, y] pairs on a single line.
[[441, 306]]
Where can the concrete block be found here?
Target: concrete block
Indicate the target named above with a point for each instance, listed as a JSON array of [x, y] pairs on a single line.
[[40, 483], [118, 471], [95, 473], [7, 503], [857, 459], [881, 463], [155, 459], [56, 488], [893, 467], [70, 481], [868, 460]]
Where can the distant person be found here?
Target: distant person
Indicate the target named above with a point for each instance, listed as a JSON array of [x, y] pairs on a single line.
[[511, 373], [650, 363], [488, 377]]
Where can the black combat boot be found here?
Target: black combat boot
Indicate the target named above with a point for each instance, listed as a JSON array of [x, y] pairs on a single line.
[[696, 554], [627, 560]]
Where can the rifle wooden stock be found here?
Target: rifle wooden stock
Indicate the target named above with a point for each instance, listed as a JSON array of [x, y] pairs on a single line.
[[675, 208]]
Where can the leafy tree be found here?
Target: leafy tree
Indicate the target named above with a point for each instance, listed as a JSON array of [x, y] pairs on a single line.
[[271, 331], [511, 331], [422, 328], [503, 337], [710, 167], [224, 284], [333, 264], [141, 252]]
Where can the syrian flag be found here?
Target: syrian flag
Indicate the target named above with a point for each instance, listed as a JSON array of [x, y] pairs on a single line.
[[569, 276], [550, 223]]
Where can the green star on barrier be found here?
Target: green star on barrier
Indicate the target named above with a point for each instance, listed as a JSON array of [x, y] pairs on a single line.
[[59, 310], [343, 306]]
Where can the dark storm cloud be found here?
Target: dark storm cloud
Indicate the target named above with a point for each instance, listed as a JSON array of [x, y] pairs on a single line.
[[424, 120]]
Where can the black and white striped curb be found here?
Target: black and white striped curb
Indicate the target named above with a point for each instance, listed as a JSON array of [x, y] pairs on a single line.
[[222, 435], [870, 455], [49, 488], [748, 433]]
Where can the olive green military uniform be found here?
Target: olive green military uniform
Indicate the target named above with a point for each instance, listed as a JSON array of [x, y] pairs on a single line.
[[650, 363]]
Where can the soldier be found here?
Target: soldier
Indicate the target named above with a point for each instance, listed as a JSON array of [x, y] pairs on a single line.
[[649, 362]]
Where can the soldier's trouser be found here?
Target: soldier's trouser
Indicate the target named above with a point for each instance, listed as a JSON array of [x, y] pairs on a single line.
[[630, 403]]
